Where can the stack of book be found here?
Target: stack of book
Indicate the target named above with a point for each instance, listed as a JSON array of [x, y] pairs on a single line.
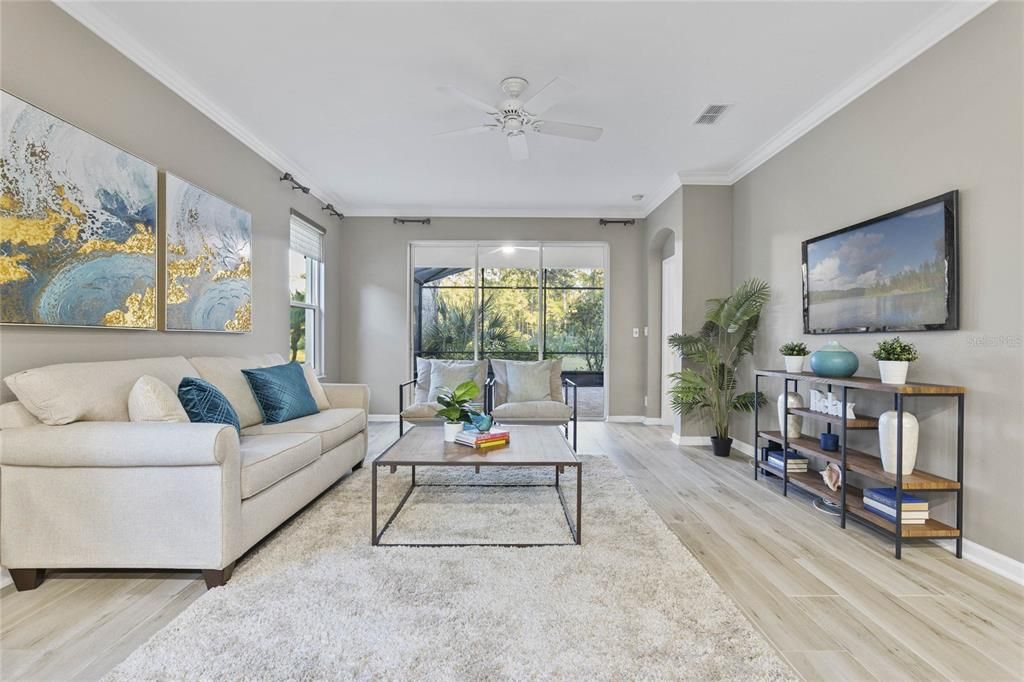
[[794, 462], [483, 439], [882, 501]]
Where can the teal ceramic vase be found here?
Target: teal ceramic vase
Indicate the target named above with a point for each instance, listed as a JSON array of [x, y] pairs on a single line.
[[482, 422], [833, 360]]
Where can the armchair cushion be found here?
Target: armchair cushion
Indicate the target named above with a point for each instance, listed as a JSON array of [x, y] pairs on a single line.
[[118, 444], [421, 411], [553, 410], [501, 378], [426, 392], [333, 426]]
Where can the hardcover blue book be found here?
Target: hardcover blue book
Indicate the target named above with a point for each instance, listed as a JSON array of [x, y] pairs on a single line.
[[887, 496]]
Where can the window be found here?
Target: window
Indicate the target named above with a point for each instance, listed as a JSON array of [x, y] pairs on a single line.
[[305, 283]]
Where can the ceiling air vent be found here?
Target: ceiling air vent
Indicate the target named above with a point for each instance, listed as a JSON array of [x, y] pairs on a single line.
[[711, 115]]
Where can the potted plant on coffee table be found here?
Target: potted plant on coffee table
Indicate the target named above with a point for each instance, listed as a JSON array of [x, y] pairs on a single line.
[[455, 407], [894, 357], [793, 353], [707, 386]]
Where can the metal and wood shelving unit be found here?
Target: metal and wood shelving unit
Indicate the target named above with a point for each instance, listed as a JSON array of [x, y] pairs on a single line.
[[850, 498]]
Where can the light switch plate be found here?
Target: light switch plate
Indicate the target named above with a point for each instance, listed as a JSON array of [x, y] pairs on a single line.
[[636, 332], [645, 331]]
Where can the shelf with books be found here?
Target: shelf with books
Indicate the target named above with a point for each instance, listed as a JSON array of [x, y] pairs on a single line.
[[810, 482], [865, 464], [848, 497]]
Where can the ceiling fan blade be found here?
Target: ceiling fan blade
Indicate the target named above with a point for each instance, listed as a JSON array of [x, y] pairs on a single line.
[[517, 147], [469, 99], [573, 130], [467, 131], [548, 96]]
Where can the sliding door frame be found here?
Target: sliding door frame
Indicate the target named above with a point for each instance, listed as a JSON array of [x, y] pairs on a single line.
[[541, 303]]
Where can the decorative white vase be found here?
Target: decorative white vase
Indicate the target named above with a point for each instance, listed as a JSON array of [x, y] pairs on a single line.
[[893, 371], [794, 363], [796, 422], [887, 424], [451, 430]]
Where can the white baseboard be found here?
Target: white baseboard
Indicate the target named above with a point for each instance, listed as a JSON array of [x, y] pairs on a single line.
[[657, 421], [382, 418], [626, 419], [1000, 564]]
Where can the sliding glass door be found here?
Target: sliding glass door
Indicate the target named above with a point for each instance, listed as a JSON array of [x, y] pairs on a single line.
[[517, 301]]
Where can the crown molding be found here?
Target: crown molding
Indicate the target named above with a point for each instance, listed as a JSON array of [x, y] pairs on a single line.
[[666, 190], [443, 212], [930, 32], [108, 30]]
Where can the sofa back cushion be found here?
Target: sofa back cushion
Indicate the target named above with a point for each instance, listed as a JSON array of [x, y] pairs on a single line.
[[90, 391], [13, 415], [501, 378], [225, 372]]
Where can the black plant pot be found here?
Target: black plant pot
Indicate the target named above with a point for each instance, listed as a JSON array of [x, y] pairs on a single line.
[[721, 446]]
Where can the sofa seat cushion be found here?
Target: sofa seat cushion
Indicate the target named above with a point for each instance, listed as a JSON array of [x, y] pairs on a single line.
[[334, 426], [269, 458], [552, 410]]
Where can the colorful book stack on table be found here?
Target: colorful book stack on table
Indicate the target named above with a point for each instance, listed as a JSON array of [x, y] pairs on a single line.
[[482, 440], [795, 463], [882, 501]]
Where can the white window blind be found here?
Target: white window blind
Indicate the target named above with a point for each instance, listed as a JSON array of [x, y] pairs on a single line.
[[573, 256], [307, 239]]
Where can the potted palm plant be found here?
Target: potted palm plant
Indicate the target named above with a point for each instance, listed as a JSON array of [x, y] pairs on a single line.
[[455, 407], [708, 385], [793, 353], [894, 357]]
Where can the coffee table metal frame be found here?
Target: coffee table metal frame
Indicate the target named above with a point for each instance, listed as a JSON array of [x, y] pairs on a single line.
[[575, 528]]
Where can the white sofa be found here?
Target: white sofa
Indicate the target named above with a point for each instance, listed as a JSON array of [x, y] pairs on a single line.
[[90, 489]]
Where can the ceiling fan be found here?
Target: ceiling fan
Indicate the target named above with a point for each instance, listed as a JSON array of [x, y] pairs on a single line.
[[514, 118]]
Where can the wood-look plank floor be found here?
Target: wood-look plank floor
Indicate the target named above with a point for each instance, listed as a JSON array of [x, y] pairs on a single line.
[[835, 604]]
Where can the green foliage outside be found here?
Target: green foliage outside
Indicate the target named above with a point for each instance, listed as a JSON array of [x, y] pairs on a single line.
[[297, 322], [708, 386], [574, 317]]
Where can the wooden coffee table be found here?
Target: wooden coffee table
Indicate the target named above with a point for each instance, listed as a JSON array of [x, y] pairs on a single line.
[[530, 446]]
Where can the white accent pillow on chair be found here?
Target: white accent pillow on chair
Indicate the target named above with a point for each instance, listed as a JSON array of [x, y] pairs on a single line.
[[529, 381], [449, 375]]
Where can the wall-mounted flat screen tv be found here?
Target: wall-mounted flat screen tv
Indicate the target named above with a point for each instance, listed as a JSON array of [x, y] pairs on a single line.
[[895, 273]]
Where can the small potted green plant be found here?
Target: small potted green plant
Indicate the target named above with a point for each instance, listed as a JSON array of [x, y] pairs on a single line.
[[894, 357], [794, 353], [455, 407]]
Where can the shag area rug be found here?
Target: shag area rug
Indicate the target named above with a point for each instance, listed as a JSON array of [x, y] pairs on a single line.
[[316, 601]]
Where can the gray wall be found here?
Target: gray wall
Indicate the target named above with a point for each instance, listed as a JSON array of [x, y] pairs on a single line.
[[663, 236], [950, 119], [52, 61], [374, 301]]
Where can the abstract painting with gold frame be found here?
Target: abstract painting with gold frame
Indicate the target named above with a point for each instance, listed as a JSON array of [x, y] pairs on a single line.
[[78, 229], [208, 261]]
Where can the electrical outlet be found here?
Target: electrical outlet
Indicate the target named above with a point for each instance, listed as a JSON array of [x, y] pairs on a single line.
[[636, 332]]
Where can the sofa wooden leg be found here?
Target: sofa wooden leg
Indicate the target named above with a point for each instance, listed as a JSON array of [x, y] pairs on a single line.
[[27, 578], [215, 578]]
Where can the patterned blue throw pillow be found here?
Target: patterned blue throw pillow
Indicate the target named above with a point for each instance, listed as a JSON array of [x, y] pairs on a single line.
[[203, 402], [281, 392]]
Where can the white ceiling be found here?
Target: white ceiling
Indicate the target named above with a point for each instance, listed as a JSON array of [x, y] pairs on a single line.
[[343, 94]]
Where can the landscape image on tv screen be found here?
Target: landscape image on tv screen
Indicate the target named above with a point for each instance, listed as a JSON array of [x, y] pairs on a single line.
[[888, 275]]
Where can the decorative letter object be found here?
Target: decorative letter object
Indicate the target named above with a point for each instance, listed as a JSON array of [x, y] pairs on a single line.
[[828, 404], [77, 226], [833, 360], [887, 424], [795, 421], [209, 252]]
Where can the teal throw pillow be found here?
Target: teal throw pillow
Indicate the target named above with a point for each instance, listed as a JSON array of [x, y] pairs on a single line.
[[203, 402], [281, 392]]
